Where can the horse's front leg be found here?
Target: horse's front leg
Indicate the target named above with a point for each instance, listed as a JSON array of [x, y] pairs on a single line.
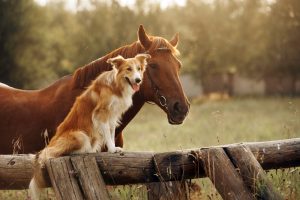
[[138, 103], [119, 139]]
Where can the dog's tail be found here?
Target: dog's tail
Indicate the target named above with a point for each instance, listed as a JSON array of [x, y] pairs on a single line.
[[38, 182], [34, 189], [61, 146]]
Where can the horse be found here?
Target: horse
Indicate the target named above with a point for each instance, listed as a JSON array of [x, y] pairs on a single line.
[[30, 117]]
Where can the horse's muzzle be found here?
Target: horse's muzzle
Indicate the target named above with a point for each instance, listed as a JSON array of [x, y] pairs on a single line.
[[178, 112]]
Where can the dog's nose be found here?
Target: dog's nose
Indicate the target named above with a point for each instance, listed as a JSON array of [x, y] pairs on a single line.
[[138, 80]]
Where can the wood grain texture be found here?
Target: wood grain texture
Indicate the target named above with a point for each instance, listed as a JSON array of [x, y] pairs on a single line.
[[15, 171], [252, 173], [63, 179], [138, 167], [90, 178], [172, 190], [223, 175]]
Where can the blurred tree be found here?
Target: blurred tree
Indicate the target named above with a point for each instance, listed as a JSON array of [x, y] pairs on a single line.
[[38, 44], [15, 27], [210, 38], [31, 46], [103, 29], [283, 43], [251, 38]]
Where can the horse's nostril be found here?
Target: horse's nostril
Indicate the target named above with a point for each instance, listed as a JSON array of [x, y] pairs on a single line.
[[177, 107], [138, 80]]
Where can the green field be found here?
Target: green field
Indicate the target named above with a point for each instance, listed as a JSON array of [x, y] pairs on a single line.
[[213, 123], [222, 122]]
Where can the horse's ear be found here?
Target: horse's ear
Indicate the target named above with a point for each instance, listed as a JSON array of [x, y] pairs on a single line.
[[174, 40], [144, 38], [116, 61]]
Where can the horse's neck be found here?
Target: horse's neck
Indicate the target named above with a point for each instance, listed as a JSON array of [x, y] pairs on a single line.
[[62, 94], [84, 75]]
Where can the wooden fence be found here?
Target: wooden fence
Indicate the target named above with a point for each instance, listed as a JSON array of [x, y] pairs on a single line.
[[236, 170]]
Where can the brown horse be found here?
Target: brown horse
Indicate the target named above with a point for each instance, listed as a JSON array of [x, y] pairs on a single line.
[[25, 115]]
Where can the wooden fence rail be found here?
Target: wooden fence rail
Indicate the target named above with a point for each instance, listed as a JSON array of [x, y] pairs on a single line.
[[140, 167]]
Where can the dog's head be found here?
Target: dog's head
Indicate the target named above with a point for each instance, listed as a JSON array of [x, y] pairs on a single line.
[[130, 71]]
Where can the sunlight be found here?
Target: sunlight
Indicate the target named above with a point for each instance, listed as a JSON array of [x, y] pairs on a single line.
[[73, 4]]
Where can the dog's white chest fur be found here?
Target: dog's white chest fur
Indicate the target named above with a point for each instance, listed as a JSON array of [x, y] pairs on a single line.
[[119, 105], [106, 129]]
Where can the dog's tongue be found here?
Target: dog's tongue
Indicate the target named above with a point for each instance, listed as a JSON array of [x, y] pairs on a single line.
[[135, 87]]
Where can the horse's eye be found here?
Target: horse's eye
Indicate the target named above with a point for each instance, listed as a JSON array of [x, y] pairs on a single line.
[[153, 65], [129, 69]]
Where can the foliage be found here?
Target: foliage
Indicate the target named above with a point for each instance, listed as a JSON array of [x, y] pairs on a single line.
[[39, 44], [284, 34]]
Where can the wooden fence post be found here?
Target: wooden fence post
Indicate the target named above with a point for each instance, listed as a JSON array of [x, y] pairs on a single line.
[[90, 178], [170, 190], [173, 190], [63, 181], [220, 170], [252, 173], [77, 178]]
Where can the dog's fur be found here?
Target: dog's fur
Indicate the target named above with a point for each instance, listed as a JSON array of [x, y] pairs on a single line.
[[91, 123]]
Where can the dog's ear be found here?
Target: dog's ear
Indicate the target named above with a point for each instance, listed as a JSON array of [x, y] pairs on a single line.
[[142, 58], [116, 61]]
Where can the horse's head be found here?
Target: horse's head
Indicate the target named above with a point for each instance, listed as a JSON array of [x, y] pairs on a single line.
[[161, 81]]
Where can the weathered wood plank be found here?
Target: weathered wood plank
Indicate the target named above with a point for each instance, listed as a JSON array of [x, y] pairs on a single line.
[[170, 190], [15, 171], [252, 173], [137, 167], [276, 154], [223, 174], [63, 181], [90, 178], [173, 190], [119, 168]]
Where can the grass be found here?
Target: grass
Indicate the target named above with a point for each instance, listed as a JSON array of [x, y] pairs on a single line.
[[213, 123], [222, 122]]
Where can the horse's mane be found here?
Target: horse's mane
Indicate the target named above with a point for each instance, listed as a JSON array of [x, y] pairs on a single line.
[[83, 76]]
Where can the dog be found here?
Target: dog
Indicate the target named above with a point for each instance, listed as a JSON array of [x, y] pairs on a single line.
[[90, 125]]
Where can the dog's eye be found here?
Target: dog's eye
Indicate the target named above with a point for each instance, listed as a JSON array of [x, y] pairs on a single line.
[[139, 68], [129, 69]]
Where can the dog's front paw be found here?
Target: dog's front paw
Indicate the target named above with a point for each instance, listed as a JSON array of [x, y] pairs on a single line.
[[119, 149], [115, 150]]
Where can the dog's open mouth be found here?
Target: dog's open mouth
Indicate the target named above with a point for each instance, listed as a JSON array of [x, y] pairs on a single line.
[[134, 86]]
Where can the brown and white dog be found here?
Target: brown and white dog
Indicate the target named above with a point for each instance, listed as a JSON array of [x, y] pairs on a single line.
[[91, 123]]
